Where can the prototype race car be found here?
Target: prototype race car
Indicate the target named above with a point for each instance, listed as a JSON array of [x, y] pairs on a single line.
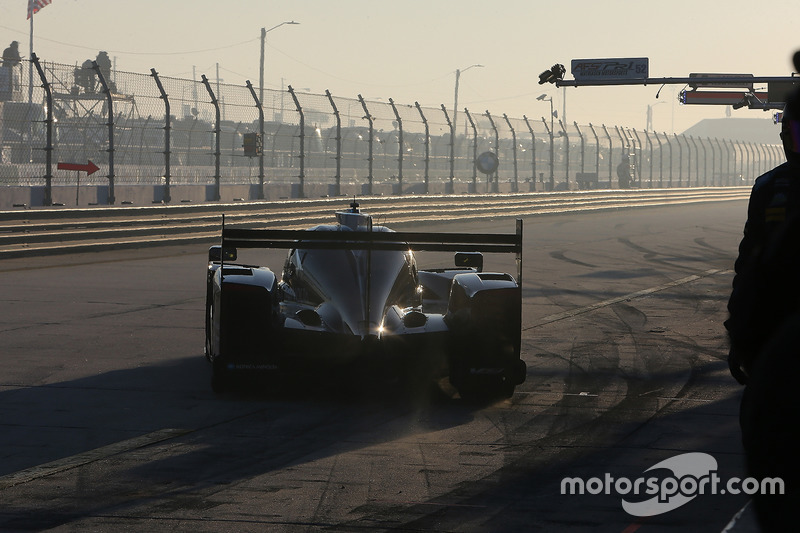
[[351, 298]]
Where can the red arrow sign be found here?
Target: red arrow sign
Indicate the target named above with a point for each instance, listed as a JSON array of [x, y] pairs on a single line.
[[90, 168]]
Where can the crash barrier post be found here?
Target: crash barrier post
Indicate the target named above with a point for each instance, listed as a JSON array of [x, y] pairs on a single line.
[[637, 156], [495, 185], [216, 195], [48, 148], [533, 152], [660, 160], [110, 102], [452, 144], [597, 153], [302, 155], [370, 159], [167, 129], [259, 148], [400, 150], [474, 151], [583, 147], [566, 150], [338, 157], [514, 152]]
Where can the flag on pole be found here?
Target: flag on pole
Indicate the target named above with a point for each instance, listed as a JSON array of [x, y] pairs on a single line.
[[35, 5]]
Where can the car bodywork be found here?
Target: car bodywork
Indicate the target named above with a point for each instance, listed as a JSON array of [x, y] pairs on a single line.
[[350, 296]]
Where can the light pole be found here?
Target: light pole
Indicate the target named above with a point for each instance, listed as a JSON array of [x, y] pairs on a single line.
[[649, 121], [545, 98], [264, 33], [455, 98]]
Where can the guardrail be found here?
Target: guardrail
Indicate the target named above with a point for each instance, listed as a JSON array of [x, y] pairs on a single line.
[[47, 231]]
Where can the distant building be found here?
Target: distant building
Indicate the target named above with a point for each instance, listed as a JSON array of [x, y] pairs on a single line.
[[754, 130]]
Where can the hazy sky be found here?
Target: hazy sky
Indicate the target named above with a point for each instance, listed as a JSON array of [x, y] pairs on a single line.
[[410, 50]]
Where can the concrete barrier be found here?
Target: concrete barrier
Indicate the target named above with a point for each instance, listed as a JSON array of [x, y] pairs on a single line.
[[142, 195], [17, 197]]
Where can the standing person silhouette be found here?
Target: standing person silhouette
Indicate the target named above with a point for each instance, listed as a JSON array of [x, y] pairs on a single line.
[[764, 328]]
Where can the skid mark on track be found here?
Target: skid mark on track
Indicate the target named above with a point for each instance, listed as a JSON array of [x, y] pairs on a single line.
[[67, 463], [559, 254], [638, 294]]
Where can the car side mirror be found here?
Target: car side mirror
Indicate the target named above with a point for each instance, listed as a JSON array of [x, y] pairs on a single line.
[[470, 260]]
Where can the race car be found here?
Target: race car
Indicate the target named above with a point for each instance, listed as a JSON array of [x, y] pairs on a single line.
[[351, 299]]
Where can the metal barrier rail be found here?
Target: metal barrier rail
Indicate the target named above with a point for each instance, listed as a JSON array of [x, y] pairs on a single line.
[[54, 231]]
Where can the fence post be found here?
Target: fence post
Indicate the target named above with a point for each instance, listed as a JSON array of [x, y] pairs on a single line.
[[400, 148], [48, 149], [750, 160], [217, 130], [768, 153], [452, 150], [260, 107], [740, 150], [680, 159], [427, 146], [338, 143], [596, 154], [638, 155], [474, 151], [686, 139], [714, 161], [777, 155], [660, 161], [533, 151], [514, 151], [705, 163], [371, 134], [552, 164], [689, 159], [757, 159], [743, 156], [167, 129], [566, 155], [650, 147], [610, 158], [495, 184], [625, 145], [669, 144], [302, 192], [583, 146], [696, 161], [110, 125], [727, 171]]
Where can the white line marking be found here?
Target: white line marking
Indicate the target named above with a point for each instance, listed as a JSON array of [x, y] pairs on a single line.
[[60, 465], [638, 294]]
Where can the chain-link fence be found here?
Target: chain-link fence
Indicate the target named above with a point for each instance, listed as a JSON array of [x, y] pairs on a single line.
[[146, 130]]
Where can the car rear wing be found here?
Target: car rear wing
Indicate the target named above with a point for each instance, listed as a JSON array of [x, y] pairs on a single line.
[[377, 240]]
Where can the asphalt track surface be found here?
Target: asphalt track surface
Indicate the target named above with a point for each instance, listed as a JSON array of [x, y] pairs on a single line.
[[108, 422]]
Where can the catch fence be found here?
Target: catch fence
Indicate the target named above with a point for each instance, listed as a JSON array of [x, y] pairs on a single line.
[[145, 129]]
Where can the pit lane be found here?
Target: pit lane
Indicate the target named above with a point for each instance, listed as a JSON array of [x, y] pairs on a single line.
[[622, 334]]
